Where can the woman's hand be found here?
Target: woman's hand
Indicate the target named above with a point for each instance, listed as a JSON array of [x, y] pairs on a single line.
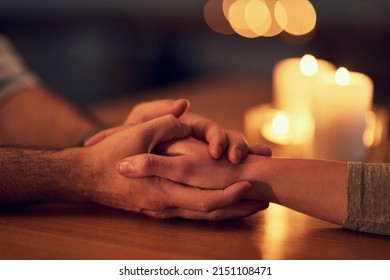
[[186, 161]]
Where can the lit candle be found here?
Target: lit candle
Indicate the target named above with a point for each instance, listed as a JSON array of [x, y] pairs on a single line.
[[340, 103], [293, 83], [287, 135], [282, 128]]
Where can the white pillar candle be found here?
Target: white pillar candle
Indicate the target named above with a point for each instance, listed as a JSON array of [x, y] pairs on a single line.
[[293, 83], [340, 103]]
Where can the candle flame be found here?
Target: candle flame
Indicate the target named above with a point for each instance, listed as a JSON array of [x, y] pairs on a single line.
[[281, 123], [308, 65], [342, 76], [283, 128]]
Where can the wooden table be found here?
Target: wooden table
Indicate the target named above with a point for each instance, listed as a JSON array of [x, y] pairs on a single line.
[[58, 231]]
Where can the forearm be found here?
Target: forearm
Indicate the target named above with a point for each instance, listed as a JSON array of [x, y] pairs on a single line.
[[314, 187], [37, 117], [28, 176]]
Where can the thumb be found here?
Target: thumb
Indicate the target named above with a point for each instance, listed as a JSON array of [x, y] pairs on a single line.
[[145, 165]]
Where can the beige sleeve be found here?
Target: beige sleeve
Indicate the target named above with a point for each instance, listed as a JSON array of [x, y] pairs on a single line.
[[368, 198]]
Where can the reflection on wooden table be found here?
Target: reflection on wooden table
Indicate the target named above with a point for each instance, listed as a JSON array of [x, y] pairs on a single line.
[[58, 231]]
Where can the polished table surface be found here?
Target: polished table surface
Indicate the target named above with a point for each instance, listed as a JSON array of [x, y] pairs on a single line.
[[59, 231]]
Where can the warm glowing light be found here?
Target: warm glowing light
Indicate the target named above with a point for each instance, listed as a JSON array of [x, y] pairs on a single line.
[[280, 14], [238, 21], [237, 14], [249, 18], [226, 7], [281, 124], [296, 17], [274, 28], [369, 132], [214, 17], [342, 76], [258, 17], [276, 231], [283, 128], [308, 65], [256, 13], [376, 127], [254, 18]]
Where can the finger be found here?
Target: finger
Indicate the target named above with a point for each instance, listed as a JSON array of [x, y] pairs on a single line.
[[159, 130], [103, 134], [238, 146], [174, 168], [187, 197], [239, 210], [146, 165], [209, 131], [151, 110], [260, 150]]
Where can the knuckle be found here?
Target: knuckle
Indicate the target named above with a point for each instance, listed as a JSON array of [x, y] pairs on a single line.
[[215, 129], [157, 203], [162, 215], [161, 197], [185, 171], [205, 206], [215, 216], [171, 120], [145, 164]]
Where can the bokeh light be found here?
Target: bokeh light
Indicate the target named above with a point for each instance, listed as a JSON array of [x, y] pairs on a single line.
[[255, 18], [226, 6], [238, 20], [214, 17], [256, 13], [275, 28], [281, 123], [258, 17], [297, 17]]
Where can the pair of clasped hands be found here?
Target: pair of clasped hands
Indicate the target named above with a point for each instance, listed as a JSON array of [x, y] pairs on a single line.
[[166, 163]]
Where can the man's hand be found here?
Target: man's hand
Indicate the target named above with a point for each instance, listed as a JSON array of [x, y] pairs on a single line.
[[156, 196], [220, 141]]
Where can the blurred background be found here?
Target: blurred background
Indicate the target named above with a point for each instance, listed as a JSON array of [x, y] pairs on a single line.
[[92, 50]]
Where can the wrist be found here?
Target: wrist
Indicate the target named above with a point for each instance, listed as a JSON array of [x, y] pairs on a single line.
[[74, 179], [259, 171], [92, 132], [29, 176]]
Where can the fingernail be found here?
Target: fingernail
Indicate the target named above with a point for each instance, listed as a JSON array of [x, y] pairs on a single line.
[[125, 167], [180, 101], [183, 99]]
